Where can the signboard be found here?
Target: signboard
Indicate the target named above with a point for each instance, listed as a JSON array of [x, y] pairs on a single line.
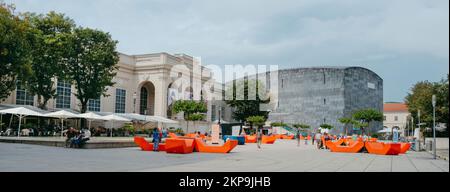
[[215, 131], [172, 96], [235, 130]]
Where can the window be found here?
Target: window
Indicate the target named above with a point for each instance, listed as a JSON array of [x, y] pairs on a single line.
[[64, 90], [22, 96], [94, 105], [143, 104], [396, 118], [324, 101], [213, 112], [120, 100]]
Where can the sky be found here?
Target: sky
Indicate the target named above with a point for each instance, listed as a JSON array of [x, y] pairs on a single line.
[[403, 41]]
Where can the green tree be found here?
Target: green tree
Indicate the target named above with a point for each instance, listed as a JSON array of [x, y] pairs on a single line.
[[15, 58], [326, 126], [346, 121], [244, 106], [196, 117], [189, 108], [257, 121], [91, 63], [419, 98], [278, 124], [51, 32], [367, 116]]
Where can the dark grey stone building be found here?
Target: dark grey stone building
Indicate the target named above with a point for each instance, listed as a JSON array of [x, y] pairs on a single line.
[[324, 94]]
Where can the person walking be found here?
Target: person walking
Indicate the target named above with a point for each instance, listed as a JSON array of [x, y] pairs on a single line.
[[298, 137], [155, 139], [318, 138]]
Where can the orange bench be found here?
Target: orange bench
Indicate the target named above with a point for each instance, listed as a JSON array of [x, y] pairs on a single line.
[[278, 136], [268, 139], [146, 146], [250, 139], [383, 148], [286, 137], [173, 135], [353, 148], [179, 145], [201, 146], [404, 147]]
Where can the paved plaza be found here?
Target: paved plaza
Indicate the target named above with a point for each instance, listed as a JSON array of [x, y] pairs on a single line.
[[283, 156]]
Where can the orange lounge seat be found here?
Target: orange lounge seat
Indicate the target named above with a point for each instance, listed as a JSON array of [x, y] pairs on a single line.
[[353, 148], [383, 148], [404, 147], [146, 146], [268, 139], [173, 135], [250, 139], [181, 146], [278, 136], [373, 139], [286, 137], [338, 142], [201, 146]]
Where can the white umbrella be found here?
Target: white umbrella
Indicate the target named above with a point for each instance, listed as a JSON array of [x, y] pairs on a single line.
[[163, 120], [20, 112], [388, 130], [114, 118], [91, 116], [62, 114]]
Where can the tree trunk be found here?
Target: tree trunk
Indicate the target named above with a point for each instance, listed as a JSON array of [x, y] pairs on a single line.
[[83, 110]]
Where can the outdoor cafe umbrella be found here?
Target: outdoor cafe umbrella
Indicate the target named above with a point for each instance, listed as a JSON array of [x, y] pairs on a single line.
[[90, 117], [21, 112], [114, 118], [388, 130], [62, 114]]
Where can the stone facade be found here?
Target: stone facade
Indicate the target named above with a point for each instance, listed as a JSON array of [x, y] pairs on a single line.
[[323, 95]]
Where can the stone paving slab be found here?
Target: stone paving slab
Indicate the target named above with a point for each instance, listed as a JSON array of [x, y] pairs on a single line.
[[280, 157]]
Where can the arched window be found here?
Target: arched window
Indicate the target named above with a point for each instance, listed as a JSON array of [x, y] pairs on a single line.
[[143, 100]]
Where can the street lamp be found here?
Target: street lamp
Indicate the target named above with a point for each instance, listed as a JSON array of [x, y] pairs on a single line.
[[433, 102], [134, 102]]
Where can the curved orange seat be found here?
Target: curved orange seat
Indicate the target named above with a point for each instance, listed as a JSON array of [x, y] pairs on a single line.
[[146, 146], [404, 147], [286, 137], [383, 148], [201, 146], [278, 136], [373, 139], [250, 139], [353, 148], [173, 135], [309, 137], [181, 146], [268, 139]]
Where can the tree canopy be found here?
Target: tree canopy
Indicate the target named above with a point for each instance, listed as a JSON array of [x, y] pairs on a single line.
[[15, 57], [91, 64], [420, 96], [248, 104], [51, 33]]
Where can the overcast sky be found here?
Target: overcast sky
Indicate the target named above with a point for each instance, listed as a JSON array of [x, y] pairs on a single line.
[[402, 41]]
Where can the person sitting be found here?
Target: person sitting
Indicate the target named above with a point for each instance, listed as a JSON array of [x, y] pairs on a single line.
[[70, 134], [83, 138]]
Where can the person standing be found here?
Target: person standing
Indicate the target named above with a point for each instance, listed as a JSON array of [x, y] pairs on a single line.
[[155, 139], [318, 138]]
